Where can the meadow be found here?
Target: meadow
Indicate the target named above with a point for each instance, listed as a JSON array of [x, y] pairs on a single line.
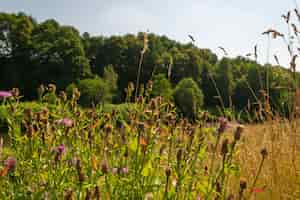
[[144, 117], [55, 149]]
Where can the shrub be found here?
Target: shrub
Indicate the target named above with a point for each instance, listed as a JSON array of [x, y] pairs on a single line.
[[93, 91], [188, 97], [161, 87]]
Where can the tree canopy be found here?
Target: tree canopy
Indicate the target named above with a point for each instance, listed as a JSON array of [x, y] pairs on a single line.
[[33, 53]]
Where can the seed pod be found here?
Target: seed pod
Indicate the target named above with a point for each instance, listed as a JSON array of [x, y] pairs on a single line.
[[168, 171], [264, 152], [224, 149], [108, 128], [81, 177], [179, 155], [243, 185], [104, 167], [97, 193], [238, 132]]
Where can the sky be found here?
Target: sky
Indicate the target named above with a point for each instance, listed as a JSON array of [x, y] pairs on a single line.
[[235, 25]]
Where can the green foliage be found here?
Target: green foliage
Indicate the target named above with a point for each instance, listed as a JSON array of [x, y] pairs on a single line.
[[94, 91], [33, 53], [161, 87], [116, 151], [188, 97]]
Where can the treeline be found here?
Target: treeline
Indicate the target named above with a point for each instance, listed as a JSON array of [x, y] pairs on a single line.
[[33, 53]]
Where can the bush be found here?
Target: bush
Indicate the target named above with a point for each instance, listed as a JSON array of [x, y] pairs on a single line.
[[188, 97], [161, 87], [93, 91]]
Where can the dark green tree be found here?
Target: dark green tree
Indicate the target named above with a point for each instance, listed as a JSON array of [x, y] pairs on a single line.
[[188, 97]]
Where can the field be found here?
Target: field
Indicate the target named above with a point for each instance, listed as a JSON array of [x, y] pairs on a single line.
[[58, 150]]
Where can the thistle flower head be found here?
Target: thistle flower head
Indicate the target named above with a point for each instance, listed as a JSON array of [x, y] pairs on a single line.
[[61, 149], [67, 122], [10, 163], [168, 171], [5, 94], [264, 152], [238, 132], [223, 125], [125, 170]]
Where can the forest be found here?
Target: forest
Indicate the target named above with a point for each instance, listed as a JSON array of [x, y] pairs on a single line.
[[34, 54]]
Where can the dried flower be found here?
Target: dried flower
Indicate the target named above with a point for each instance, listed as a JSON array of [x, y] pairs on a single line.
[[10, 163], [104, 167], [238, 132], [223, 125], [97, 193], [224, 149], [108, 128], [15, 92], [264, 152], [168, 171], [243, 185]]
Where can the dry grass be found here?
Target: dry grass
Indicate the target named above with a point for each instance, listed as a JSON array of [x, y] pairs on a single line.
[[280, 177]]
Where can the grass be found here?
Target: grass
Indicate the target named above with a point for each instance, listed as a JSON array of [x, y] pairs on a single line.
[[61, 151]]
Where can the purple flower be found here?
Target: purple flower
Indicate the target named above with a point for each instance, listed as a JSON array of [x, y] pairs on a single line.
[[223, 125], [61, 149], [125, 170], [67, 122], [5, 94], [10, 163]]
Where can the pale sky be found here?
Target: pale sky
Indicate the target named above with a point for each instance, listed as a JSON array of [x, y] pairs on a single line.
[[234, 24]]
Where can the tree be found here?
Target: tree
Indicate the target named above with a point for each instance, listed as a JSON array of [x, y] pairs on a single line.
[[188, 97], [161, 87], [111, 79], [93, 91]]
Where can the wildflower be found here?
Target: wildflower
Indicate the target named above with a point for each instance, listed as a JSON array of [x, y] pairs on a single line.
[[243, 185], [5, 94], [10, 164], [81, 177], [168, 171], [104, 167], [108, 128], [114, 171], [264, 152], [15, 92], [125, 170], [238, 132], [67, 122], [223, 125], [179, 155], [224, 149], [61, 149], [97, 193]]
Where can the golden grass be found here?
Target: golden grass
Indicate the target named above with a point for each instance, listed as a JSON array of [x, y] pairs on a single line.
[[280, 177]]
